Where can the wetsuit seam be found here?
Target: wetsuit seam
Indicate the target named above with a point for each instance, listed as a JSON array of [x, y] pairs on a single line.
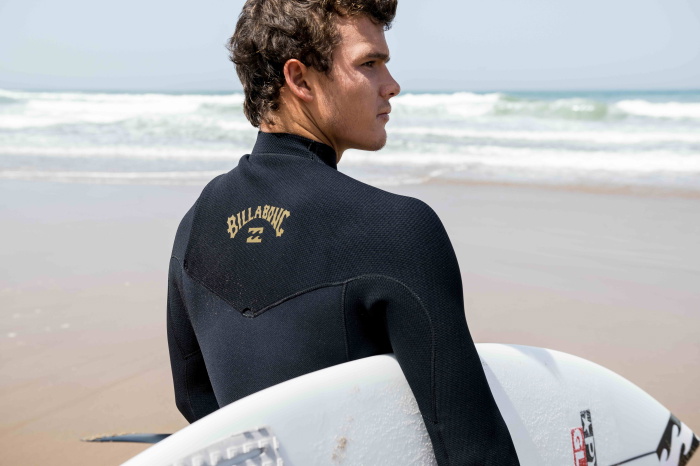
[[310, 156], [415, 296], [442, 442], [187, 391], [255, 314], [293, 144], [183, 355], [252, 315], [345, 325]]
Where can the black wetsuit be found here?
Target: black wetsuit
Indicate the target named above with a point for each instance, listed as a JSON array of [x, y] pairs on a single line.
[[285, 266]]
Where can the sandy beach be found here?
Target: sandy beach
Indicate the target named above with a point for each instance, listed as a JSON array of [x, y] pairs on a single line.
[[610, 277]]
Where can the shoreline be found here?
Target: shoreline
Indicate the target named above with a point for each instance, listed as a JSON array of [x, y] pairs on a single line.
[[603, 189], [621, 190]]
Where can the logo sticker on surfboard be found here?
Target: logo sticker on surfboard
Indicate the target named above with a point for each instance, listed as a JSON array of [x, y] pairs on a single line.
[[677, 445], [587, 425], [579, 444], [583, 442]]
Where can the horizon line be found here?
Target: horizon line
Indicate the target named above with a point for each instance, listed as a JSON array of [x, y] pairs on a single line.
[[407, 91]]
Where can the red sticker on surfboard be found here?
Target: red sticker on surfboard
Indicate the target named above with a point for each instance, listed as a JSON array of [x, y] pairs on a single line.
[[579, 444]]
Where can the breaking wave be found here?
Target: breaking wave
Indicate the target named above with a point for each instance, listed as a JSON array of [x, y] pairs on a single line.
[[469, 105], [157, 138]]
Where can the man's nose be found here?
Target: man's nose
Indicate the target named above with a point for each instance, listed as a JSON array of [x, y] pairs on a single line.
[[392, 88]]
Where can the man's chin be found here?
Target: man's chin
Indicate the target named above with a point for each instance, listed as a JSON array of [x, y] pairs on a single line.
[[374, 144]]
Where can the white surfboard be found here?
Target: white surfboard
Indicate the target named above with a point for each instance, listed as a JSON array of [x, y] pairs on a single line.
[[560, 410]]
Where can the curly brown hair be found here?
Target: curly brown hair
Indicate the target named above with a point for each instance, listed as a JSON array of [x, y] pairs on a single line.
[[270, 32]]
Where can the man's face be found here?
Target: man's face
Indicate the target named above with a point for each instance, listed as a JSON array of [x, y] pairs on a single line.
[[353, 101]]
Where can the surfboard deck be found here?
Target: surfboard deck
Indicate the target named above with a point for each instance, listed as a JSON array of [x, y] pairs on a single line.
[[560, 410]]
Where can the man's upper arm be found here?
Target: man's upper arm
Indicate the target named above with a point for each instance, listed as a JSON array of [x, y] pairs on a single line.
[[432, 341], [194, 395]]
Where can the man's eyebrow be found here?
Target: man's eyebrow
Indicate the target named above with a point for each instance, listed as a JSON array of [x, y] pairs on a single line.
[[379, 56]]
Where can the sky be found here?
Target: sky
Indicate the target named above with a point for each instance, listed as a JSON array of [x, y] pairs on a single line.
[[446, 45]]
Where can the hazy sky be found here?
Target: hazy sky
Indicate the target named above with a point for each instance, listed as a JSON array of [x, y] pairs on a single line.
[[436, 45]]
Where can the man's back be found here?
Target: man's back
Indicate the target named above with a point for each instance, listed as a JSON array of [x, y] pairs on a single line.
[[286, 266]]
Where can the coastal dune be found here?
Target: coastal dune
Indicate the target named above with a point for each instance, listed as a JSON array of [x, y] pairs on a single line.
[[608, 276]]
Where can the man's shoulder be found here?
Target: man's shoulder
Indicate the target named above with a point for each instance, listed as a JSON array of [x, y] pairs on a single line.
[[403, 211], [396, 222], [183, 234], [185, 227], [386, 202]]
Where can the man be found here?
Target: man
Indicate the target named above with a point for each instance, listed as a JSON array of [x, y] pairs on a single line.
[[285, 266]]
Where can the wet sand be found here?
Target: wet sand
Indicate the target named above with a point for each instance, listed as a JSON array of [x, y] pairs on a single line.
[[611, 277]]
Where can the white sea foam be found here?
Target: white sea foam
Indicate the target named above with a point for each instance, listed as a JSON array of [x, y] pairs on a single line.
[[536, 159], [469, 105], [44, 109], [463, 104], [165, 138], [135, 98], [126, 151], [644, 108], [601, 136]]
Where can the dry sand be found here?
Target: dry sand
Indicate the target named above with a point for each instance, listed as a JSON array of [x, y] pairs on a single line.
[[614, 278]]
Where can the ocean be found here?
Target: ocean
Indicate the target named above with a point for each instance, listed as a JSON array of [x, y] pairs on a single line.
[[628, 139]]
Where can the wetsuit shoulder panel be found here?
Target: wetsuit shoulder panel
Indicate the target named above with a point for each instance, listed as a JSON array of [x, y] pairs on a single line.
[[257, 239]]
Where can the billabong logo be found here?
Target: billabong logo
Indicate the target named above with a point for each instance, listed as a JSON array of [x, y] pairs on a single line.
[[588, 437], [274, 215], [677, 444], [252, 238]]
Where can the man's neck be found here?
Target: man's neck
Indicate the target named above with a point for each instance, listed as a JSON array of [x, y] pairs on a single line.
[[290, 125]]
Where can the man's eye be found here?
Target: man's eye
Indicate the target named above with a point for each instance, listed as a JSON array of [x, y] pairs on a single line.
[[368, 64]]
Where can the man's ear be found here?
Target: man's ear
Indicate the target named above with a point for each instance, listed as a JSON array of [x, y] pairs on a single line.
[[296, 75]]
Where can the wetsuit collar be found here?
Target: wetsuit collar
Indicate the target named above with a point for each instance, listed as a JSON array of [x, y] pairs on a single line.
[[292, 144]]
